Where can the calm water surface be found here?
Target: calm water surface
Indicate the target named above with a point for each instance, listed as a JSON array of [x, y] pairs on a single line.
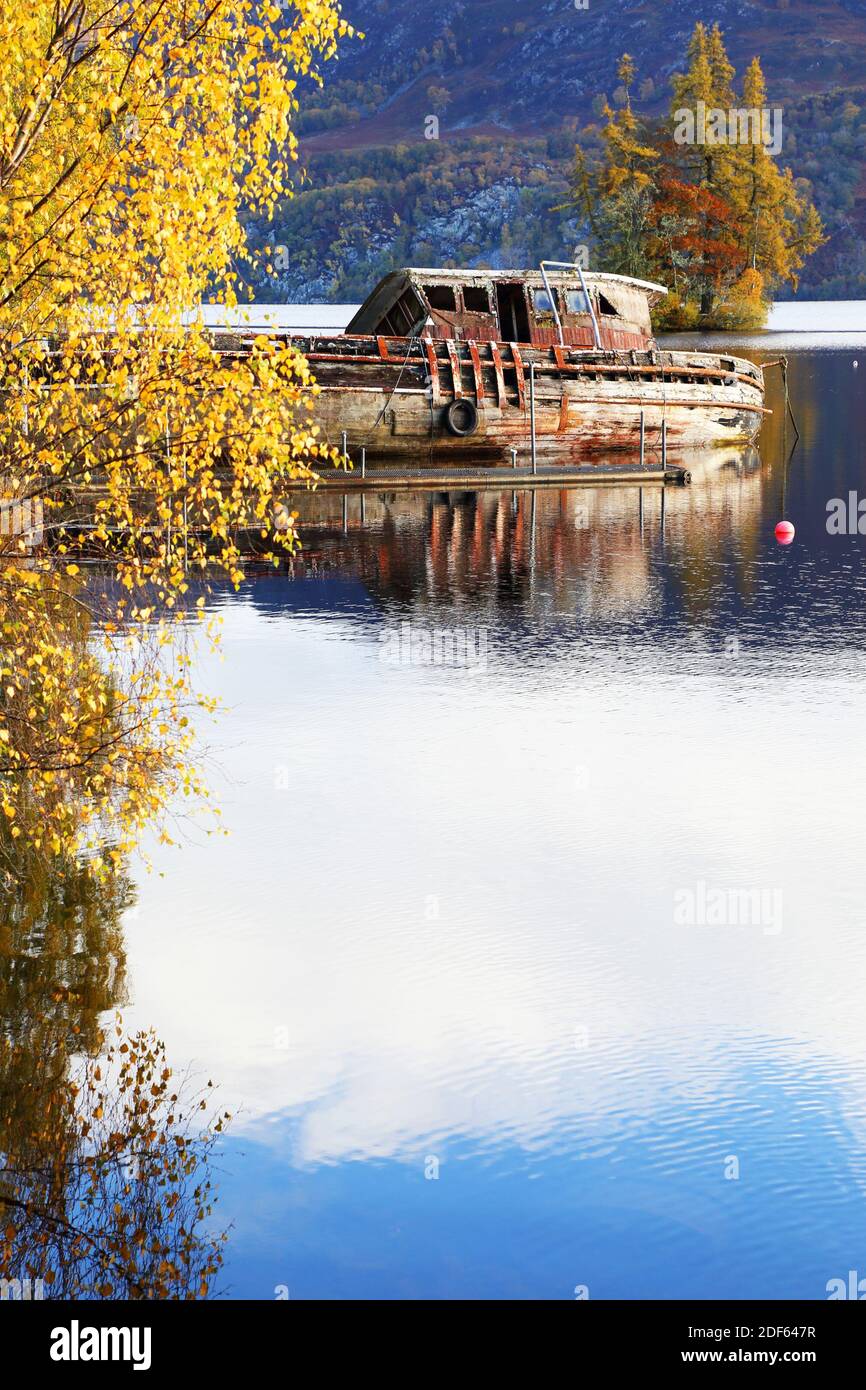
[[446, 931]]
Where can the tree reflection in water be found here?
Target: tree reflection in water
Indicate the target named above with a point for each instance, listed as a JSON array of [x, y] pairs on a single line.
[[104, 1158]]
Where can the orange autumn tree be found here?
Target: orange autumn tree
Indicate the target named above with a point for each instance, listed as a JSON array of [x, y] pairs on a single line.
[[694, 236], [135, 138]]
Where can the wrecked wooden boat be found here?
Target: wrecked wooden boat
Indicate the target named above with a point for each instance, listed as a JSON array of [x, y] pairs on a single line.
[[441, 364]]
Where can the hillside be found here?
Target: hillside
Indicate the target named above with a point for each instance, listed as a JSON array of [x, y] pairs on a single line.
[[512, 87]]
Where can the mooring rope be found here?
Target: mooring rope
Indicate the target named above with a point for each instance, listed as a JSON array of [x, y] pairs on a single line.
[[380, 417], [789, 409]]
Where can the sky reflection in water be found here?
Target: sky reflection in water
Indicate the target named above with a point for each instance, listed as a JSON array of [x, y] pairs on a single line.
[[455, 936]]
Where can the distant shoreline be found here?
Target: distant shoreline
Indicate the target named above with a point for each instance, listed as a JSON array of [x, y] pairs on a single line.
[[788, 316]]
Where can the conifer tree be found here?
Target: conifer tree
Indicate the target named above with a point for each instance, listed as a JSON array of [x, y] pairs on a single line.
[[706, 86], [780, 225], [626, 181], [721, 69]]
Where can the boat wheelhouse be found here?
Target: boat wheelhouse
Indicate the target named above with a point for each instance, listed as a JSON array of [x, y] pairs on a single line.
[[542, 308]]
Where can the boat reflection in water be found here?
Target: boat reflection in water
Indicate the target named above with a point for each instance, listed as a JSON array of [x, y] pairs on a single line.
[[576, 549]]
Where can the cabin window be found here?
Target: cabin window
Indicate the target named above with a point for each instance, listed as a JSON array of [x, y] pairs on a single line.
[[512, 310], [403, 316], [605, 306], [542, 301], [476, 299], [576, 302], [441, 297]]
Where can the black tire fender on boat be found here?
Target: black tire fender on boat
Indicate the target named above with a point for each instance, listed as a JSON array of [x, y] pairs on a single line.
[[461, 417]]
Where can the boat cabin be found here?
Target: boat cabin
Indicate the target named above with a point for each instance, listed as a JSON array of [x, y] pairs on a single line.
[[512, 306]]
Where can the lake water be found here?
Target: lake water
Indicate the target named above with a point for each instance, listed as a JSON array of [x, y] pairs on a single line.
[[546, 971]]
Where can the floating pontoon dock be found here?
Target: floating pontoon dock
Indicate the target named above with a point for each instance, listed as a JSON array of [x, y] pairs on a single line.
[[472, 479]]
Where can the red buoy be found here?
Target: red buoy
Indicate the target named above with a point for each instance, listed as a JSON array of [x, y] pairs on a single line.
[[785, 533]]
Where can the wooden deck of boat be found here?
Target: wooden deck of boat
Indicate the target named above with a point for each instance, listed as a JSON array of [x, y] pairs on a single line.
[[471, 479]]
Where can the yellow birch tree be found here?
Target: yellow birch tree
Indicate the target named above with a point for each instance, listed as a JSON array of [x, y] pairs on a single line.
[[135, 138]]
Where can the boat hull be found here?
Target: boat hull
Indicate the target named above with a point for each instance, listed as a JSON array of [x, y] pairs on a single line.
[[394, 399], [568, 425]]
